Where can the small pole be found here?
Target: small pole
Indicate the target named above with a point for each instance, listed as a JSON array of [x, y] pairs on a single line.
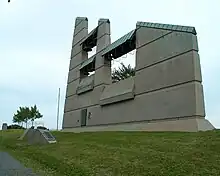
[[58, 107]]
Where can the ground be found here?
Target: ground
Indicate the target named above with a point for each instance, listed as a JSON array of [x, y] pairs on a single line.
[[120, 153]]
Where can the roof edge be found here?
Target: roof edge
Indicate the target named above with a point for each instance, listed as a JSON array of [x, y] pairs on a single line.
[[103, 20], [87, 61], [180, 28], [121, 40]]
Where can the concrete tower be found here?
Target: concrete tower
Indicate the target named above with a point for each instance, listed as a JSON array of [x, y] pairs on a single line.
[[166, 93]]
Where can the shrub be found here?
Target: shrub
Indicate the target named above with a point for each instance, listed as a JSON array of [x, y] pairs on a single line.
[[15, 127]]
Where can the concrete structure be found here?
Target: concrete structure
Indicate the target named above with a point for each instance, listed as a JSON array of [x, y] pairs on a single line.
[[4, 126], [166, 93], [37, 136]]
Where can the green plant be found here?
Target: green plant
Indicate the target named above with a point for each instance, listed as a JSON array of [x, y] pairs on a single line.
[[24, 114], [122, 72], [35, 114], [120, 153], [15, 126]]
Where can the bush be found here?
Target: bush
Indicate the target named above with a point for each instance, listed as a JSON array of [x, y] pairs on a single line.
[[41, 128], [15, 127]]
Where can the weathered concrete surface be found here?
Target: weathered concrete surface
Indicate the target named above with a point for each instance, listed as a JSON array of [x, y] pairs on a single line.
[[10, 166], [102, 67], [122, 90], [192, 124], [167, 83], [36, 136]]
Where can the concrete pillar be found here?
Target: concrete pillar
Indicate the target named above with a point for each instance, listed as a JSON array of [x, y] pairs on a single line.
[[77, 56], [102, 66], [80, 32]]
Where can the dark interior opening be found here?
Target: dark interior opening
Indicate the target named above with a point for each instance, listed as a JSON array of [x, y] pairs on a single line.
[[122, 49]]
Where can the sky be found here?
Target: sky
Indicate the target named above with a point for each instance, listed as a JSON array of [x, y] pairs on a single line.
[[36, 39]]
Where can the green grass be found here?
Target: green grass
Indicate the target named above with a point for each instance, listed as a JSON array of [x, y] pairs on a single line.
[[120, 153]]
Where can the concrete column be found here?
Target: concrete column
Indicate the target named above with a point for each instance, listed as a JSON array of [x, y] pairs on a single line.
[[102, 66], [80, 32], [77, 56]]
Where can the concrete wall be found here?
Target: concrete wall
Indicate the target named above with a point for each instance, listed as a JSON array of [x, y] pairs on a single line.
[[167, 84]]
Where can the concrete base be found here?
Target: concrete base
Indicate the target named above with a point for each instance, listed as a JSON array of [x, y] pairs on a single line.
[[25, 133], [36, 136], [182, 124]]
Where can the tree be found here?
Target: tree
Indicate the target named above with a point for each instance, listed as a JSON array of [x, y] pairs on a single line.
[[24, 114], [16, 119], [35, 114], [122, 72]]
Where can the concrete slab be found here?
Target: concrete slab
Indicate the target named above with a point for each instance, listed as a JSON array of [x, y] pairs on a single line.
[[192, 124]]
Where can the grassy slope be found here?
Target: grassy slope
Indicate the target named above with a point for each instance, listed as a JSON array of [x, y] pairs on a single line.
[[121, 153]]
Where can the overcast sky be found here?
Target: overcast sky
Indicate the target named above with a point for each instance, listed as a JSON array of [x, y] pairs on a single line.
[[36, 38]]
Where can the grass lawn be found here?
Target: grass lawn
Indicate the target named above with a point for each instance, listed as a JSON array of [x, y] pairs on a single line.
[[120, 153]]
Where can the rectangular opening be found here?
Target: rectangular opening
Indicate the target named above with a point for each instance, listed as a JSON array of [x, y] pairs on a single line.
[[122, 54], [123, 45], [123, 67], [87, 71], [88, 67], [90, 40]]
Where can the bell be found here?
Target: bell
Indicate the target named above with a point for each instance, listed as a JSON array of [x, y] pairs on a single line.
[[87, 49]]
